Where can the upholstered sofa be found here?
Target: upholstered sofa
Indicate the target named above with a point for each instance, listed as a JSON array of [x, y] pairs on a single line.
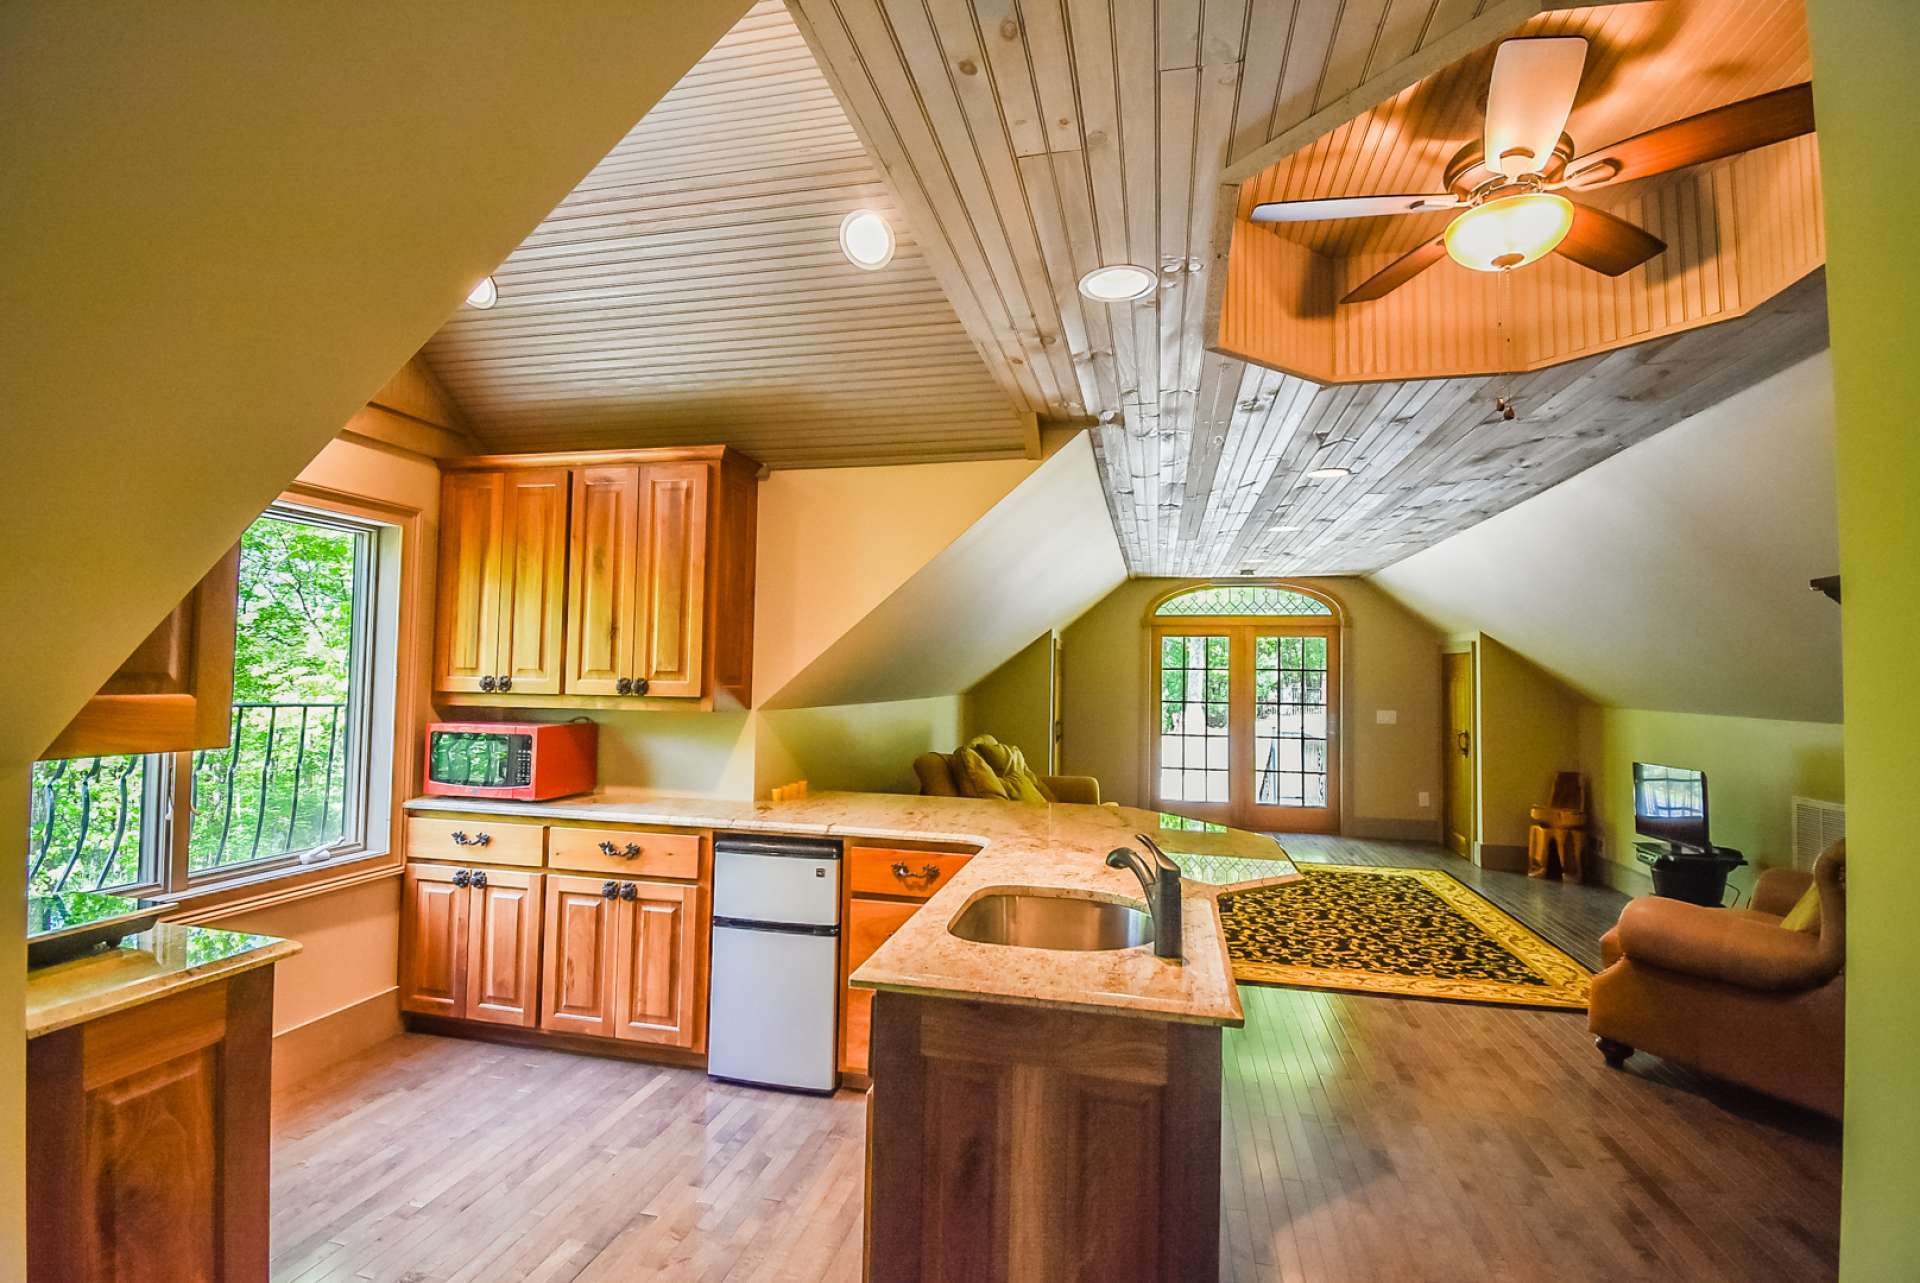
[[1756, 996], [984, 767]]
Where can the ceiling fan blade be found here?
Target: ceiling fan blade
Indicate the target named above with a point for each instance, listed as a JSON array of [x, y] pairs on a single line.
[[1399, 272], [1606, 243], [1306, 211], [1711, 135], [1529, 99]]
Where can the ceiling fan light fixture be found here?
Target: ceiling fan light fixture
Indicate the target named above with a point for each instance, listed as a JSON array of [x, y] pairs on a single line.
[[1509, 232], [484, 295], [866, 238], [1118, 283]]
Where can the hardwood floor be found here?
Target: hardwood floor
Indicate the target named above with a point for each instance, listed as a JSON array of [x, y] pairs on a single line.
[[1367, 1139]]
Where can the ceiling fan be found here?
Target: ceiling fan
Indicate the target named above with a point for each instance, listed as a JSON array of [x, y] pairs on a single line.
[[1508, 186]]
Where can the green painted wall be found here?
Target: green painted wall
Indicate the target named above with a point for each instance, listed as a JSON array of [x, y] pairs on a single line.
[[1754, 768], [1014, 703], [1865, 55]]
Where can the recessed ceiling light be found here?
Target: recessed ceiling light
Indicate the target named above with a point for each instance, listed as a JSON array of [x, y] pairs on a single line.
[[1288, 530], [1118, 283], [1328, 474], [866, 238], [484, 295]]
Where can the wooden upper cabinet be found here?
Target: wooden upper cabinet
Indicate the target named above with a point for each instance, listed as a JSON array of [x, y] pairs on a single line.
[[602, 587], [434, 941], [673, 578], [660, 988], [598, 577], [175, 691], [503, 948], [467, 612], [533, 571]]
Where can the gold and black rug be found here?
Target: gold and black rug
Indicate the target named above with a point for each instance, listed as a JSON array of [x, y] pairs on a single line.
[[1413, 932]]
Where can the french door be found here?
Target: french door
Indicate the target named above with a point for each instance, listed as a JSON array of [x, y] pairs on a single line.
[[1246, 723]]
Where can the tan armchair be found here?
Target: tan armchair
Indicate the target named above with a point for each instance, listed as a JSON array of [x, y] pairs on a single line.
[[945, 775], [1733, 991]]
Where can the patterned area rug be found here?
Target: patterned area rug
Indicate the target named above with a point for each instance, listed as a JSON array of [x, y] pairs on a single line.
[[1414, 932]]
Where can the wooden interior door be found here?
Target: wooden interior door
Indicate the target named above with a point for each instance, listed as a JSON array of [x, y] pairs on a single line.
[[869, 924], [467, 609], [602, 584], [503, 948], [433, 941], [673, 577], [533, 576], [1457, 751], [663, 956], [577, 964]]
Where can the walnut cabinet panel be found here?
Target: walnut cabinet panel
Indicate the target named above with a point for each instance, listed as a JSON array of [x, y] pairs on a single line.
[[597, 580]]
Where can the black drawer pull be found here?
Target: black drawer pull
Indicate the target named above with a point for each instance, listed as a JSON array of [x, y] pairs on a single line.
[[631, 850], [461, 839]]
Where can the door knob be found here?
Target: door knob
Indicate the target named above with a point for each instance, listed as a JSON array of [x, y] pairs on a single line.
[[462, 878], [1463, 743], [479, 878], [611, 890], [639, 686], [628, 891], [624, 686], [506, 683]]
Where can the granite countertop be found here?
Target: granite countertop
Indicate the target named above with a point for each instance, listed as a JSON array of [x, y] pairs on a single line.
[[1059, 850], [152, 964]]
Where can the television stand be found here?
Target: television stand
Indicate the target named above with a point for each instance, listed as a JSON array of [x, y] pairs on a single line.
[[1697, 875]]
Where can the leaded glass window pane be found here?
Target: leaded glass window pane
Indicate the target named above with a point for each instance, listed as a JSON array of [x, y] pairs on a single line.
[[1243, 599]]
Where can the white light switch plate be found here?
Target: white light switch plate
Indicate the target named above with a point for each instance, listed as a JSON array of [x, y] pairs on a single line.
[[1386, 716], [1426, 798]]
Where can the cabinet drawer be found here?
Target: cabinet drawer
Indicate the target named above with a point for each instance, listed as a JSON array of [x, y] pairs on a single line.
[[629, 853], [479, 840], [875, 870]]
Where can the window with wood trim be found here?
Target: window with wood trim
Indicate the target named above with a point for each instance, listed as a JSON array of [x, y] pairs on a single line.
[[309, 745]]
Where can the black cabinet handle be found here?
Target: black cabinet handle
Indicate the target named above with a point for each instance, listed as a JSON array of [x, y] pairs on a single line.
[[628, 891], [479, 878], [461, 839], [639, 686], [506, 683], [462, 877], [927, 871], [624, 686], [611, 890], [487, 683], [627, 852]]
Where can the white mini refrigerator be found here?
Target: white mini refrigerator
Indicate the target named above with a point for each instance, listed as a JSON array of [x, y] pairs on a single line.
[[776, 960]]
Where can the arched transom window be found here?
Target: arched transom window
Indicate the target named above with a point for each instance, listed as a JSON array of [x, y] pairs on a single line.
[[1242, 599]]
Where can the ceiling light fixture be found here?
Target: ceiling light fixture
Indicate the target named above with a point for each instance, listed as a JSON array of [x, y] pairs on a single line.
[[484, 295], [1509, 232], [1289, 530], [866, 238], [1328, 474], [1118, 283]]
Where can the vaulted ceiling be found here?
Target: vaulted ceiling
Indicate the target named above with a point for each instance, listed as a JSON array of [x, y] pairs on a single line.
[[1031, 140], [692, 289]]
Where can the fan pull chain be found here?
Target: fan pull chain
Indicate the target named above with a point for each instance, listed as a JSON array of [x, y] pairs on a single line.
[[1504, 320]]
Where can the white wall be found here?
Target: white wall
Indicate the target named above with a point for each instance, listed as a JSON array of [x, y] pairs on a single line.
[[1674, 574]]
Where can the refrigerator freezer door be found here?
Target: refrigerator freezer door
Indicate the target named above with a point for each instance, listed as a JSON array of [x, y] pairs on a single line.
[[776, 888]]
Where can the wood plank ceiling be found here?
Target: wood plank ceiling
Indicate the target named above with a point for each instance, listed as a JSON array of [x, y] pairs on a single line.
[[1029, 141], [692, 289]]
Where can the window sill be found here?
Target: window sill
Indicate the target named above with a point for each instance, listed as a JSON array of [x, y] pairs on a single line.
[[209, 905]]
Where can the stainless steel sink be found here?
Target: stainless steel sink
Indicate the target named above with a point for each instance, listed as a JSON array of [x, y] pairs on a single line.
[[1052, 922]]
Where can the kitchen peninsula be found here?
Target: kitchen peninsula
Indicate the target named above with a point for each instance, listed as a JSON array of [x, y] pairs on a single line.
[[979, 1050]]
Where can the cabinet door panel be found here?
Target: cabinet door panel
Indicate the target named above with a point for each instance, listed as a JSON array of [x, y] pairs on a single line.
[[533, 570], [503, 949], [602, 601], [869, 923], [673, 577], [578, 960], [663, 953], [467, 616], [433, 942]]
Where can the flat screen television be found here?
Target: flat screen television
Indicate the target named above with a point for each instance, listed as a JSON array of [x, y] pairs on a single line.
[[1670, 803]]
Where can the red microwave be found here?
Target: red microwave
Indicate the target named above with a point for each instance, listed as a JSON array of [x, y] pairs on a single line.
[[524, 761]]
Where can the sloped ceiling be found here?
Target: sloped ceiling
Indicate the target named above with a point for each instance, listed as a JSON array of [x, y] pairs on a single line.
[[232, 223], [691, 289], [1035, 561], [1674, 575]]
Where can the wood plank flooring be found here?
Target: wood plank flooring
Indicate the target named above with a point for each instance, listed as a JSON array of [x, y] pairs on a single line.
[[1367, 1139]]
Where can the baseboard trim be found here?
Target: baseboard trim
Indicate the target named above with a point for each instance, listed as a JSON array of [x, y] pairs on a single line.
[[1392, 830], [324, 1041], [1500, 857]]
